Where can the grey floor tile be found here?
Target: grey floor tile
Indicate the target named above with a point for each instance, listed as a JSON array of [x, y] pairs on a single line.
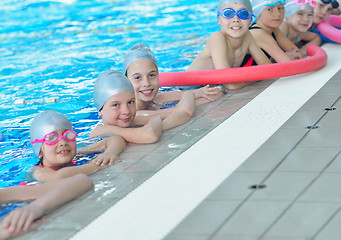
[[319, 102], [283, 186], [263, 160], [302, 119], [325, 189], [323, 137], [223, 111], [335, 166], [302, 220], [285, 138], [111, 189], [336, 77], [331, 88], [251, 219], [237, 186], [150, 163], [331, 119], [43, 234], [308, 159], [206, 218], [250, 91], [173, 236], [185, 139], [331, 230]]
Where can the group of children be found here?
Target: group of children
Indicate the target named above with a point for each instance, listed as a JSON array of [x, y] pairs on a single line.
[[133, 110]]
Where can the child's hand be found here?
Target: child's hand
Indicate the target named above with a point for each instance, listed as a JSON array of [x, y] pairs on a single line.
[[22, 219], [206, 92], [154, 128], [105, 160], [294, 54]]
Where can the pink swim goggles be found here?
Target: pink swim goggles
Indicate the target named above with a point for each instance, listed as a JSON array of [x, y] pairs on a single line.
[[312, 3], [53, 138]]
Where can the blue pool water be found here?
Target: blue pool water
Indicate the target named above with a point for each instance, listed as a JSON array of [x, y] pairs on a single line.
[[57, 48]]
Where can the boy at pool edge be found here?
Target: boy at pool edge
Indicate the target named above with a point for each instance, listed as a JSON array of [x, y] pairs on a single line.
[[114, 97], [229, 47]]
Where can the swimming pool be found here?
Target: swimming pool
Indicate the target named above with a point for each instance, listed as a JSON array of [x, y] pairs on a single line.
[[56, 49]]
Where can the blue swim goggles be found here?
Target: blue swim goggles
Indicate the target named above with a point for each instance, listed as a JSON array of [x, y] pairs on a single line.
[[230, 13], [334, 3]]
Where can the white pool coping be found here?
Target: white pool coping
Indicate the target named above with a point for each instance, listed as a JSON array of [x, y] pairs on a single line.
[[152, 210]]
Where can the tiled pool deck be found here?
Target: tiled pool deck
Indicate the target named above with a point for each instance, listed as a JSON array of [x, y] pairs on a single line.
[[299, 168]]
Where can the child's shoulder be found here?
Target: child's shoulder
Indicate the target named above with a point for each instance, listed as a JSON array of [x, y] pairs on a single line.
[[217, 35]]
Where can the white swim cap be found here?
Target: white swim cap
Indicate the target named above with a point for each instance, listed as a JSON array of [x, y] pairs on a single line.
[[110, 83], [44, 123], [246, 3], [258, 5], [136, 52], [292, 7]]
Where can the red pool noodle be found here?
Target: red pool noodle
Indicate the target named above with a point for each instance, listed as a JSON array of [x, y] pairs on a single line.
[[329, 30], [317, 60], [334, 20]]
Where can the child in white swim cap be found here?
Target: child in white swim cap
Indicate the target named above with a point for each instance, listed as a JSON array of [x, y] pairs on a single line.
[[229, 47], [54, 143], [141, 69], [114, 98], [270, 15], [299, 18]]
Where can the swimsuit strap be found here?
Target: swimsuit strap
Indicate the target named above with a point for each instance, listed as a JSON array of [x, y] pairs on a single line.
[[296, 38], [254, 27]]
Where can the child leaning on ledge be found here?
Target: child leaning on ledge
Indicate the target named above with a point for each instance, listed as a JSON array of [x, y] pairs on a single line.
[[231, 46], [114, 97], [299, 18], [270, 15]]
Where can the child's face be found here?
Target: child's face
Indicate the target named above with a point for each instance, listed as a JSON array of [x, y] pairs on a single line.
[[322, 11], [272, 16], [301, 20], [144, 76], [119, 110], [234, 27], [60, 154]]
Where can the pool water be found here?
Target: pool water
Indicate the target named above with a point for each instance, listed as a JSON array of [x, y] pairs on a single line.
[[56, 49]]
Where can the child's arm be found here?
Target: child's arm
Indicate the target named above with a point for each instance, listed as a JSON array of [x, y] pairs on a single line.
[[48, 196], [288, 47], [45, 174], [310, 38], [268, 44], [149, 133], [111, 148], [185, 110], [202, 95]]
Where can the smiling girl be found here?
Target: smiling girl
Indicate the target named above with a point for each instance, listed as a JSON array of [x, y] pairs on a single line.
[[229, 47], [54, 143], [141, 68], [299, 18]]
